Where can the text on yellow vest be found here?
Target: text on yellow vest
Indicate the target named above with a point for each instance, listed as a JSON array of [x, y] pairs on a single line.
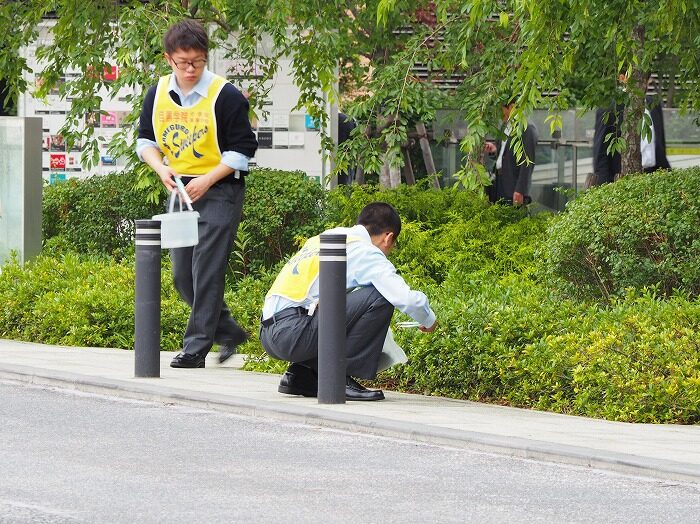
[[187, 136]]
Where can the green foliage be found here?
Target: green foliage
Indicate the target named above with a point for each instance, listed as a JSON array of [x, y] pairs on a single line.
[[414, 203], [511, 341], [95, 215], [507, 336], [548, 53], [640, 231], [280, 207], [239, 262], [77, 300], [448, 228], [80, 301], [506, 333]]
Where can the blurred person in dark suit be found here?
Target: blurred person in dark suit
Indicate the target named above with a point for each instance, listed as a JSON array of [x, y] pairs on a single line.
[[513, 177]]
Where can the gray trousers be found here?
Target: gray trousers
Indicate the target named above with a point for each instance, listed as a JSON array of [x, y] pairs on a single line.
[[199, 272], [368, 313]]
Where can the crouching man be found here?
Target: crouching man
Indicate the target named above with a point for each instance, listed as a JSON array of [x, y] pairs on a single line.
[[289, 327]]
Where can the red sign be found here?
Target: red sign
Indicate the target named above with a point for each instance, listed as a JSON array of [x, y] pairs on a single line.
[[108, 120], [58, 162], [110, 73]]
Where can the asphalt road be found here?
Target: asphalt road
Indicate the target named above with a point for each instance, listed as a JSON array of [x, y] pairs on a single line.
[[68, 457]]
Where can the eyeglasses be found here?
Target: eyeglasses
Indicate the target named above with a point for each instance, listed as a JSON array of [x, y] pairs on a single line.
[[185, 64]]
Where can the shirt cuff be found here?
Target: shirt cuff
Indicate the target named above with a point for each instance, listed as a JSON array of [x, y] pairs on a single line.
[[142, 144], [430, 321], [235, 160]]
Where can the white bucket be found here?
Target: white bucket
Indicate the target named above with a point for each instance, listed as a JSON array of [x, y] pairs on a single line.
[[178, 229]]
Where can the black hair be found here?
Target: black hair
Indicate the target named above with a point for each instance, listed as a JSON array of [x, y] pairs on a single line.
[[380, 217], [186, 34]]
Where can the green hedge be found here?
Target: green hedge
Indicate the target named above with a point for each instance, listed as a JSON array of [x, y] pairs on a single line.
[[510, 341], [441, 229], [640, 231], [78, 300], [494, 275], [280, 208], [96, 216]]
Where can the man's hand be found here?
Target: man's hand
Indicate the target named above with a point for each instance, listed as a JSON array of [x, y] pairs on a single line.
[[490, 148], [198, 187], [518, 199], [154, 158], [429, 329], [166, 174]]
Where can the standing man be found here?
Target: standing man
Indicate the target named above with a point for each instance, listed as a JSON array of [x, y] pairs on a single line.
[[289, 327], [608, 126], [194, 125], [512, 176], [654, 149], [345, 127]]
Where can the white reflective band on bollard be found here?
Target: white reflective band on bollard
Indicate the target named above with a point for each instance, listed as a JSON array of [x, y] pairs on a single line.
[[149, 231]]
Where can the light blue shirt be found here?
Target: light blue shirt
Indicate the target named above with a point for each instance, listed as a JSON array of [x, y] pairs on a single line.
[[232, 159], [366, 265]]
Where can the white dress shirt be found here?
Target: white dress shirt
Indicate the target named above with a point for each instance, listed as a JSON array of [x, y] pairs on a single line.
[[647, 146], [499, 160], [366, 265]]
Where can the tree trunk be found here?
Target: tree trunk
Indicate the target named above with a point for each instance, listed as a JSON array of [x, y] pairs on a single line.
[[359, 178], [384, 176], [427, 154], [394, 176], [408, 175], [634, 113], [390, 176]]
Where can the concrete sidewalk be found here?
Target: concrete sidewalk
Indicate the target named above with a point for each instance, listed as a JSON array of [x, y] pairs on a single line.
[[662, 451]]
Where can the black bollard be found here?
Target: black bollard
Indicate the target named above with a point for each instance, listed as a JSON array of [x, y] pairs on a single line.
[[331, 320], [147, 312]]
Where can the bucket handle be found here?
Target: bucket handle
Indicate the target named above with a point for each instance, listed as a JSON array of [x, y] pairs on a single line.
[[183, 194], [171, 201]]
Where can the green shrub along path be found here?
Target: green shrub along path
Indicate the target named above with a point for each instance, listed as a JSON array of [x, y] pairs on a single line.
[[643, 231], [591, 312]]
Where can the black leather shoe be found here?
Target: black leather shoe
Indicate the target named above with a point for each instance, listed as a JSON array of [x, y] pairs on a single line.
[[185, 360], [299, 380], [230, 348], [356, 391]]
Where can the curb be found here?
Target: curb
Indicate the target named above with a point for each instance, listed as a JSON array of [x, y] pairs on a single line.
[[475, 441]]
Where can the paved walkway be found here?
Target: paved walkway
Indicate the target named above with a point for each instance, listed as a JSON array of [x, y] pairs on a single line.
[[663, 451]]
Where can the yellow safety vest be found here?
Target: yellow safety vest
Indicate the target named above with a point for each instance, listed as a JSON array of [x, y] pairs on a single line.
[[300, 272], [187, 135]]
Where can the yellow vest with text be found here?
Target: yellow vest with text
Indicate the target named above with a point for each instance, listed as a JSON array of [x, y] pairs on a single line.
[[298, 275], [187, 136]]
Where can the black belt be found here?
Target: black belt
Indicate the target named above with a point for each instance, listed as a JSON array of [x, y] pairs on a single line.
[[230, 179], [285, 313]]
